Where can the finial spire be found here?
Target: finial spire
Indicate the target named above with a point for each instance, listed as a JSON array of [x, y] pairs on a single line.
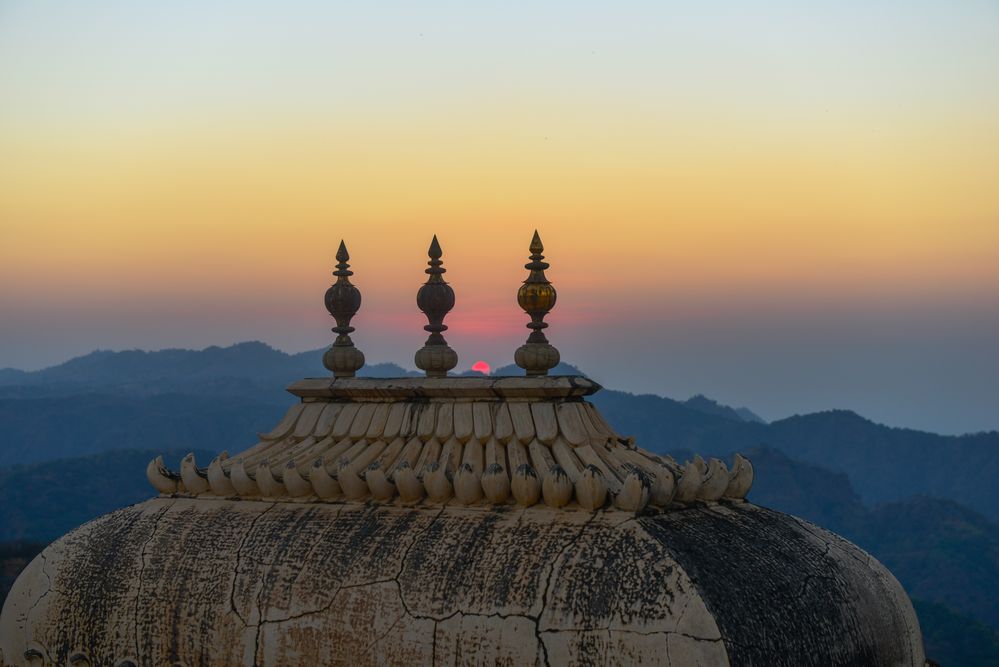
[[343, 300], [435, 299], [537, 297]]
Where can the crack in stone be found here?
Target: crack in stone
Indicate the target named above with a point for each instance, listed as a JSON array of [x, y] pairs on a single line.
[[554, 561], [294, 617], [469, 614], [239, 558], [686, 605], [447, 617], [383, 635], [142, 569], [809, 578], [256, 644], [868, 562], [394, 580], [433, 646], [364, 584], [261, 621], [437, 620], [308, 554], [813, 576], [642, 633], [849, 551], [326, 607], [709, 640], [232, 593], [548, 583], [49, 588], [405, 556]]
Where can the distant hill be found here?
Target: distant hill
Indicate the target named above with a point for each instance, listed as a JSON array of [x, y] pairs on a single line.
[[40, 502], [891, 463], [212, 399], [235, 369], [883, 463], [164, 370], [808, 491], [13, 376], [941, 551], [702, 403], [951, 638], [41, 429]]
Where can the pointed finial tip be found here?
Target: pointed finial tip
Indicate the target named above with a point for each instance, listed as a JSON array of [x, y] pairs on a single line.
[[341, 253], [435, 248], [536, 245]]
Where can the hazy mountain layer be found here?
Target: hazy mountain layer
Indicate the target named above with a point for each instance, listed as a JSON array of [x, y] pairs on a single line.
[[883, 463], [133, 399]]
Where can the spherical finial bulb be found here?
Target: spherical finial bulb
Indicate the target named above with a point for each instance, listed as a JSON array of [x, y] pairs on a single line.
[[343, 300], [537, 297], [435, 299]]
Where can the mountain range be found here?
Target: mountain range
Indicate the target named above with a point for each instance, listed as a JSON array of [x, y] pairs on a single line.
[[75, 438], [147, 400]]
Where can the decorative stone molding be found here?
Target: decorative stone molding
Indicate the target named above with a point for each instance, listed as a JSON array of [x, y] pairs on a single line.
[[471, 441]]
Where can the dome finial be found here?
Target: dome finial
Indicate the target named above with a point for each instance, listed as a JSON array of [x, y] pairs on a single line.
[[343, 300], [537, 297], [435, 299], [537, 247]]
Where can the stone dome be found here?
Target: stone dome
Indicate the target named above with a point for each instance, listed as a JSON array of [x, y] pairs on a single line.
[[441, 521], [380, 523]]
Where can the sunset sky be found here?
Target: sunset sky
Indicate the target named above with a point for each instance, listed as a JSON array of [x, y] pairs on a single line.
[[788, 206]]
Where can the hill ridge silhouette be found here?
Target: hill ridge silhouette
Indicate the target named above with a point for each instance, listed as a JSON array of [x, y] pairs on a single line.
[[211, 398]]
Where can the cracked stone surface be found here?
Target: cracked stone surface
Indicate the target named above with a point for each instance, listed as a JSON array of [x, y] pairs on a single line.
[[194, 581]]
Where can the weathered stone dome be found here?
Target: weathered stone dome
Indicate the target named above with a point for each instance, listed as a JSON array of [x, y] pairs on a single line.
[[313, 548], [441, 521]]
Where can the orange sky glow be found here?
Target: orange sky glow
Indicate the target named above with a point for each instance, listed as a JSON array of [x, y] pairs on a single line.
[[795, 172]]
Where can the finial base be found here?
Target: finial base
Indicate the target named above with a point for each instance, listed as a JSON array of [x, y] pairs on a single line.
[[536, 358], [343, 360], [436, 360]]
